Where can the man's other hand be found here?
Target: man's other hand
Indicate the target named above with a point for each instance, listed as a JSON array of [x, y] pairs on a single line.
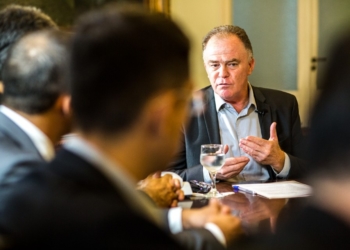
[[232, 166], [165, 191]]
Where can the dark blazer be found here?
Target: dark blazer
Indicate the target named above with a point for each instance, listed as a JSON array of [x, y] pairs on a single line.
[[69, 204], [16, 148], [275, 106]]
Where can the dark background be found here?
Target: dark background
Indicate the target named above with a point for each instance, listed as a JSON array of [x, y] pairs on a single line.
[[63, 12]]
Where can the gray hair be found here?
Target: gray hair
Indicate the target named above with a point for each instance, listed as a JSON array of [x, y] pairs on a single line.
[[16, 21], [229, 30], [34, 72]]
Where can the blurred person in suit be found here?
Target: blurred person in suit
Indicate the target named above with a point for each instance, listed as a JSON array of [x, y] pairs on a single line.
[[261, 127], [28, 133], [130, 83], [15, 21], [324, 223], [24, 134], [35, 111]]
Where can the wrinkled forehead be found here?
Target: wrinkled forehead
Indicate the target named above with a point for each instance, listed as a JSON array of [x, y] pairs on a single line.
[[224, 44], [220, 37]]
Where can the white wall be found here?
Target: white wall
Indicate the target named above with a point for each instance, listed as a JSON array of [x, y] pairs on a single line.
[[197, 17]]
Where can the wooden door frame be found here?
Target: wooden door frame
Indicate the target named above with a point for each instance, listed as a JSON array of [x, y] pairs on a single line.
[[162, 6]]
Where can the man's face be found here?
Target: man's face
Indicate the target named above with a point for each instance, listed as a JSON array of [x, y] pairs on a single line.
[[228, 65]]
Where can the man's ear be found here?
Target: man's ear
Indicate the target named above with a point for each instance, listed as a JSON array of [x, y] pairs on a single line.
[[66, 108], [63, 104], [252, 65], [1, 87]]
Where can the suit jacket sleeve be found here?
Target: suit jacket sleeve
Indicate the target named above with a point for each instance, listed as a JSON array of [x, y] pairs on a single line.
[[282, 108], [297, 152], [198, 239], [15, 164]]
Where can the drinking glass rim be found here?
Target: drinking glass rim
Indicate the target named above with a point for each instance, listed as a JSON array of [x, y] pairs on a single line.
[[212, 145]]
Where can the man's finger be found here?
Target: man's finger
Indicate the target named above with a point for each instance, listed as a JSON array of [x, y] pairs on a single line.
[[224, 209], [226, 148], [273, 132], [177, 183], [236, 160], [251, 141], [167, 177], [156, 174], [180, 195], [174, 203], [214, 203]]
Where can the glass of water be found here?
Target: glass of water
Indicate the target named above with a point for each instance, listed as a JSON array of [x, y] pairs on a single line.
[[212, 158]]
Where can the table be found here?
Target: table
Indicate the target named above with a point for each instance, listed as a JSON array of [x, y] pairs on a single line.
[[258, 214]]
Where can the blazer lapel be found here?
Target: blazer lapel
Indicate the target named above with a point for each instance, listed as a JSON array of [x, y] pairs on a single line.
[[211, 121], [267, 117]]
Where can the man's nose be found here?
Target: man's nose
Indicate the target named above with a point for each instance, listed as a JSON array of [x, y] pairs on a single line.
[[223, 72]]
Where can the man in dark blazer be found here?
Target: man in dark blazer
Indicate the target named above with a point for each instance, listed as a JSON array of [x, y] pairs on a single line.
[[129, 98], [21, 126], [35, 111], [35, 114], [260, 126]]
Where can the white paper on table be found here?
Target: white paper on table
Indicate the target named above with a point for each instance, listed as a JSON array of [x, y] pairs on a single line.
[[277, 190], [222, 194], [186, 188]]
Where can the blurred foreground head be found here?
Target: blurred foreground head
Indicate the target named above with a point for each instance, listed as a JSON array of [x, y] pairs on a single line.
[[329, 146], [34, 72], [122, 57], [16, 21], [34, 76]]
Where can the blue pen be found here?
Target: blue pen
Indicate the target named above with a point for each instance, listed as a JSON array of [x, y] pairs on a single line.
[[238, 188]]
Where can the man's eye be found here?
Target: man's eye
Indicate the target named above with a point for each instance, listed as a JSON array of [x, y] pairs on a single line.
[[232, 64], [214, 65]]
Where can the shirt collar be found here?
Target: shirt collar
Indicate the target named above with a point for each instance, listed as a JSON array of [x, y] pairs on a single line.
[[220, 103], [42, 143]]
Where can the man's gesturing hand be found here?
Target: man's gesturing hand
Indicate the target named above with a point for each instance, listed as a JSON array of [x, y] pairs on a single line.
[[267, 152], [232, 166]]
